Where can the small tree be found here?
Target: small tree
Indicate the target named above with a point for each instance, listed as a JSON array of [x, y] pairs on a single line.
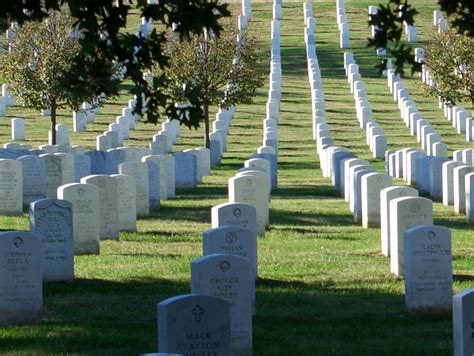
[[41, 53], [450, 59], [213, 70]]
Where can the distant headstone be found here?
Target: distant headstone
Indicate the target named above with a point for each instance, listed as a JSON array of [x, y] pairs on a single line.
[[251, 190], [55, 174], [469, 189], [139, 171], [153, 183], [428, 270], [21, 297], [459, 174], [82, 166], [160, 160], [447, 181], [97, 162], [187, 323], [126, 202], [159, 145], [435, 176], [11, 187], [356, 190], [170, 176], [405, 213], [386, 196], [422, 173], [228, 277], [34, 182], [18, 129], [372, 185], [52, 220], [186, 170], [216, 152], [85, 218], [348, 164], [108, 205], [204, 161], [272, 158]]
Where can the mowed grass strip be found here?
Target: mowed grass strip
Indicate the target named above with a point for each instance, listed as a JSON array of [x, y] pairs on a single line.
[[324, 287]]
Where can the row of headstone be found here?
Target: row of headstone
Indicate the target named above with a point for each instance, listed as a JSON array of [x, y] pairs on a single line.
[[37, 175], [419, 251], [410, 32], [375, 136], [270, 136], [343, 24], [442, 179], [424, 131], [460, 118], [164, 140], [439, 21], [218, 136], [371, 11], [321, 130], [370, 195], [217, 317], [81, 118], [120, 130]]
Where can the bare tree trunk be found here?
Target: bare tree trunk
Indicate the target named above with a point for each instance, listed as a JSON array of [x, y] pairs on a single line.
[[53, 121], [206, 126]]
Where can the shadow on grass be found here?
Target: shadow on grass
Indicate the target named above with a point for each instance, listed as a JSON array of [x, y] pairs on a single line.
[[303, 192], [102, 317]]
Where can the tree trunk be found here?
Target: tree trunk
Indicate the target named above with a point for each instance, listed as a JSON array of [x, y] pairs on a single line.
[[206, 126], [53, 121]]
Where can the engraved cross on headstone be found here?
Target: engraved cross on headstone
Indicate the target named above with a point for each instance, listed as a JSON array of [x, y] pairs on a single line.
[[197, 312]]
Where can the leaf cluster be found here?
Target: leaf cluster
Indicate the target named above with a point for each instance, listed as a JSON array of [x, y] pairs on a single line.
[[390, 18], [449, 57], [104, 43], [209, 70], [389, 21], [462, 15]]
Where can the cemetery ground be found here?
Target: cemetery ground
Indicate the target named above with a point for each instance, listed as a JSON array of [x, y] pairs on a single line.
[[324, 286]]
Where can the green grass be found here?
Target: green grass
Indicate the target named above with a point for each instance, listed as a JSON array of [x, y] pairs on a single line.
[[324, 286]]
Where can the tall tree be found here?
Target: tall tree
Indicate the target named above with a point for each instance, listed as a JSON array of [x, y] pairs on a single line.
[[208, 70], [40, 55], [449, 57], [104, 41]]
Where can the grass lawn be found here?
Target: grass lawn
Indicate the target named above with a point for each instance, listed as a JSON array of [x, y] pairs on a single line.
[[324, 286]]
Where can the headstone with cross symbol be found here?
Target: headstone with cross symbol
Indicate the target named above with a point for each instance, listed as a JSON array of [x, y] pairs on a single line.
[[229, 277], [194, 324]]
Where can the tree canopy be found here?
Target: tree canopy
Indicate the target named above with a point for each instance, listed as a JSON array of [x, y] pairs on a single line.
[[36, 62], [215, 70], [450, 60], [103, 42]]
